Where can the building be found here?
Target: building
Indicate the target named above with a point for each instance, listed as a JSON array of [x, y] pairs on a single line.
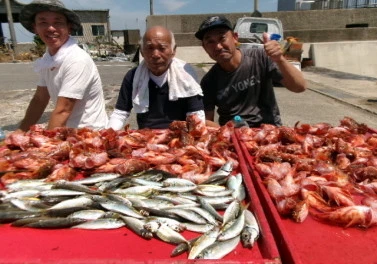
[[128, 39], [95, 23], [95, 26], [291, 5]]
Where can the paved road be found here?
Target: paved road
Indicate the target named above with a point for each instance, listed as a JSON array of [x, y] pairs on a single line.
[[330, 96]]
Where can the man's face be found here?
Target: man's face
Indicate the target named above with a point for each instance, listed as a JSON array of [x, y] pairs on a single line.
[[220, 44], [157, 50], [53, 29]]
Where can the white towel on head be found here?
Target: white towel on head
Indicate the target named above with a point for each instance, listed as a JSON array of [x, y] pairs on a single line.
[[181, 80]]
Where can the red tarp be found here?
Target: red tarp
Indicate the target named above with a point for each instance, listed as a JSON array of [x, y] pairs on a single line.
[[27, 245], [313, 242]]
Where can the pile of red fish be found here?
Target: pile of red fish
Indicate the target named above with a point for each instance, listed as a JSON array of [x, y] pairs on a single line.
[[328, 172], [187, 149]]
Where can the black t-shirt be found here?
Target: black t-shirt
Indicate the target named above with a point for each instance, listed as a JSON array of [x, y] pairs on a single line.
[[161, 111], [248, 91]]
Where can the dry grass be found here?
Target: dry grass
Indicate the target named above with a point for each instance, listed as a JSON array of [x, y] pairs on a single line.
[[8, 57]]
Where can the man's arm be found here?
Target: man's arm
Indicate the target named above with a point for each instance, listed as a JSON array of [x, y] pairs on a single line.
[[61, 113], [36, 108], [210, 118], [293, 79]]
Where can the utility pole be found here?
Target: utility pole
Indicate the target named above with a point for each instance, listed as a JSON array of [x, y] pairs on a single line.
[[256, 13], [255, 5], [11, 26], [151, 7]]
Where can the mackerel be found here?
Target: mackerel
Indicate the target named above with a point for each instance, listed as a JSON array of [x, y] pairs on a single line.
[[188, 214], [74, 186], [82, 201], [203, 242], [208, 207], [117, 207], [98, 177], [89, 214], [137, 226], [231, 212], [167, 234], [102, 223], [250, 232], [233, 229], [219, 249], [58, 222]]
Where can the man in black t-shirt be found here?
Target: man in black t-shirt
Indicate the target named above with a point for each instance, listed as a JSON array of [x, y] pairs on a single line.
[[241, 81], [161, 89]]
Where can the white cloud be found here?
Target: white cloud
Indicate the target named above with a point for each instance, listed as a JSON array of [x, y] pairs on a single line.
[[173, 5]]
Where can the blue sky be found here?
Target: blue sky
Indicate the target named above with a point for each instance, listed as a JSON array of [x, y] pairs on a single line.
[[131, 14]]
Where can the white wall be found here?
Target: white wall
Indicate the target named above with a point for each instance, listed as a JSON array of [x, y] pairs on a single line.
[[358, 57]]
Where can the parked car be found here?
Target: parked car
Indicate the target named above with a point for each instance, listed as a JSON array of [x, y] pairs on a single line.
[[250, 33]]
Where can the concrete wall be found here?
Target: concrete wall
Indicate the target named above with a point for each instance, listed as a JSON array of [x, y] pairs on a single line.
[[328, 25], [358, 57]]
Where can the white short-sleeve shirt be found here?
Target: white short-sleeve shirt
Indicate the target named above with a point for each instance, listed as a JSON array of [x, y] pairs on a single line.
[[78, 78]]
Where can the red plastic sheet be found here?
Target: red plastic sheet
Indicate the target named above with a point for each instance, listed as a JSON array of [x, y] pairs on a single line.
[[27, 245], [313, 242]]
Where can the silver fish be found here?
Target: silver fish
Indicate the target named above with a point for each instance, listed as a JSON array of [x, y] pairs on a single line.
[[98, 177], [172, 223], [167, 234], [9, 216], [102, 223], [82, 201], [182, 247], [250, 232], [177, 182], [24, 204], [137, 226], [26, 184], [20, 194], [198, 228], [233, 229], [226, 192], [58, 222], [74, 186], [137, 190], [178, 189], [110, 185], [231, 212], [211, 188], [188, 214], [60, 192], [208, 207], [218, 200], [146, 182], [119, 198], [221, 173], [174, 198], [235, 183], [205, 214], [219, 249], [203, 242], [89, 214], [118, 207], [150, 203]]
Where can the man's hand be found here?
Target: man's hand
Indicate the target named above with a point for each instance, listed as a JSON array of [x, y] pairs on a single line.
[[272, 48]]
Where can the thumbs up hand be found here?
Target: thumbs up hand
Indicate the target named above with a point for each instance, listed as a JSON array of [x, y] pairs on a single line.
[[272, 48]]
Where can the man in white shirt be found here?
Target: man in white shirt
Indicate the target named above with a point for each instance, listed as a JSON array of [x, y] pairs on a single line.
[[68, 75]]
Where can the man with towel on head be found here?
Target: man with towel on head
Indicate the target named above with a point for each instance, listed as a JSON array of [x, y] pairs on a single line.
[[67, 74], [161, 89]]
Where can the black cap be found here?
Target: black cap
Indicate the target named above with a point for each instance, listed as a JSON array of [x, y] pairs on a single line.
[[212, 22]]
